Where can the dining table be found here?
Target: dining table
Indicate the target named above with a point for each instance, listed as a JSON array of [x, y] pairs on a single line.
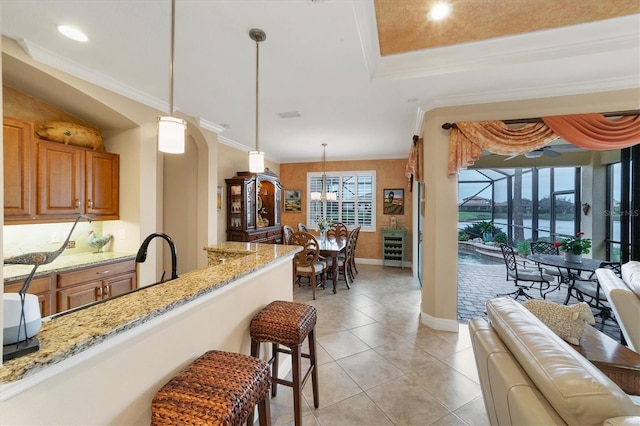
[[574, 269], [558, 260], [332, 248]]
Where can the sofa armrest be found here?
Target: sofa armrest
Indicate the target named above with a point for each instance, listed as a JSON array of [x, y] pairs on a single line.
[[575, 388], [625, 305]]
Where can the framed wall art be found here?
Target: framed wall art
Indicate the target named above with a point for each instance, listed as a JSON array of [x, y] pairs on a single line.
[[292, 200], [393, 201]]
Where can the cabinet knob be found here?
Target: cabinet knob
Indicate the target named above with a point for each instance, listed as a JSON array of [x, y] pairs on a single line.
[[107, 290], [77, 204], [98, 292], [90, 204], [106, 271]]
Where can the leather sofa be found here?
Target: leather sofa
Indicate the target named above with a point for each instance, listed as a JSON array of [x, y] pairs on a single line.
[[623, 295], [530, 376]]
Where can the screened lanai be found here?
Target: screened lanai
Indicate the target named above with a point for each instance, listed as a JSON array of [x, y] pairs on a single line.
[[541, 202]]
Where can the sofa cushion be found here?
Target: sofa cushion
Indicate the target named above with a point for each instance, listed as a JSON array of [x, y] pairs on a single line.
[[631, 276], [577, 390]]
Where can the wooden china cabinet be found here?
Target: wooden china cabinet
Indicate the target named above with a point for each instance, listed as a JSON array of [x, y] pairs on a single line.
[[254, 208]]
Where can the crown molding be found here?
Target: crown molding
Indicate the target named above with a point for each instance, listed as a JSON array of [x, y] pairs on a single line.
[[210, 125], [548, 91], [58, 62], [560, 43]]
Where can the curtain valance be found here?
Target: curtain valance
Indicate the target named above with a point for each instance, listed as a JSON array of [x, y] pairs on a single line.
[[588, 131], [468, 139], [595, 132]]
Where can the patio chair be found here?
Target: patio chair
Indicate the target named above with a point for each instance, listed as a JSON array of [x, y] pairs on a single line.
[[545, 247], [588, 290], [535, 277]]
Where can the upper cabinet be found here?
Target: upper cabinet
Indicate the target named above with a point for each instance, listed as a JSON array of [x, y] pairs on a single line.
[[253, 208], [18, 169], [67, 180]]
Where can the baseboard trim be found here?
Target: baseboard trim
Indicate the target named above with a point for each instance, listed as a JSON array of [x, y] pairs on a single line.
[[439, 323], [364, 261]]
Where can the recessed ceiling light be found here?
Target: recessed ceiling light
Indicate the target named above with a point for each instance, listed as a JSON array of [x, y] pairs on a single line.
[[72, 33], [440, 11]]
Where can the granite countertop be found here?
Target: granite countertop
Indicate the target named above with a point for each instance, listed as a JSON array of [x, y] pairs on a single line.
[[63, 336], [65, 263]]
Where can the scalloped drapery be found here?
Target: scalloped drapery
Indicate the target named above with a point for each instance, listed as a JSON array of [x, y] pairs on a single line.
[[595, 132], [468, 139]]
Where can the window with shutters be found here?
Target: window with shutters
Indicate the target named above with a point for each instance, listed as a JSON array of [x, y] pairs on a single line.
[[355, 199]]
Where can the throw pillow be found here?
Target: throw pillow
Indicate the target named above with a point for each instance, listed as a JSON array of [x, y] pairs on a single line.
[[568, 322], [631, 276]]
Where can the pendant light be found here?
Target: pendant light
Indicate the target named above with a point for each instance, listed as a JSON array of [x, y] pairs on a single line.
[[256, 158], [324, 195], [171, 129]]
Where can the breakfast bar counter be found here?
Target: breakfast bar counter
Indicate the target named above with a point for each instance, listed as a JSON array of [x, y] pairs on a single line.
[[103, 363]]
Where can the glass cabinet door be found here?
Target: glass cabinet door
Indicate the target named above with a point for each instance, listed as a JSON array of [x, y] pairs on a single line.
[[251, 204]]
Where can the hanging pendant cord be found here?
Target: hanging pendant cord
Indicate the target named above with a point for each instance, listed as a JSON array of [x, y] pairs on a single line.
[[257, 91], [173, 36]]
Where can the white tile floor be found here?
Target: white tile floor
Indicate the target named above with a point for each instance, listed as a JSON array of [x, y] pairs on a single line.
[[378, 365]]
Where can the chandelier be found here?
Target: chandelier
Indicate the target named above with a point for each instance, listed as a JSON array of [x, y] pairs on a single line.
[[324, 195]]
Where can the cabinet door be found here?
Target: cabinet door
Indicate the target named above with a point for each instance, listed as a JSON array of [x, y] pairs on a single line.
[[41, 287], [17, 152], [72, 297], [102, 177], [60, 179], [118, 285]]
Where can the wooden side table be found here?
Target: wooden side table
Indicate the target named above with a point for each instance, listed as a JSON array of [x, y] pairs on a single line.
[[619, 363]]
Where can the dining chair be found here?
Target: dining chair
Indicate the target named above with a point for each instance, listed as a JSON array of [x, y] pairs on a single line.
[[546, 247], [344, 262], [535, 277], [339, 230], [355, 245], [588, 290], [302, 227], [307, 263], [286, 233]]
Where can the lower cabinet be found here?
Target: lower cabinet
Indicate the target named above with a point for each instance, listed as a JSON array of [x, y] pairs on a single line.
[[41, 287], [89, 285], [60, 291]]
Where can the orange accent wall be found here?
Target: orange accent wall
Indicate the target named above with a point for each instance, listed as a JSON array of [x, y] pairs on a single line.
[[389, 175]]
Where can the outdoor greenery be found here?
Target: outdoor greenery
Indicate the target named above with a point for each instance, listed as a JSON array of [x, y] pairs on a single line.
[[475, 230], [523, 247], [500, 238]]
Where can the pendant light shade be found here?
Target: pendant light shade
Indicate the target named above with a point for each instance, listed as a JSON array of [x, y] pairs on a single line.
[[171, 129], [256, 161], [256, 157], [171, 134]]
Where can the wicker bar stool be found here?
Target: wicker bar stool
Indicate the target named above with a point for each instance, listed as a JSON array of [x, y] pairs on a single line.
[[288, 324], [218, 388]]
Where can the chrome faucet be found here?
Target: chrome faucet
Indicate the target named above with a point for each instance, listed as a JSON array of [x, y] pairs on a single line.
[[142, 252]]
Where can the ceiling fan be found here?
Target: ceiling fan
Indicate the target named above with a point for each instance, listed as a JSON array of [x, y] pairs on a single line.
[[549, 151]]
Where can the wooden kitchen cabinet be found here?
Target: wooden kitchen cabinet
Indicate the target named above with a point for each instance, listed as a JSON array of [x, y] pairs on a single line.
[[53, 182], [18, 169], [74, 181], [91, 284], [41, 287]]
